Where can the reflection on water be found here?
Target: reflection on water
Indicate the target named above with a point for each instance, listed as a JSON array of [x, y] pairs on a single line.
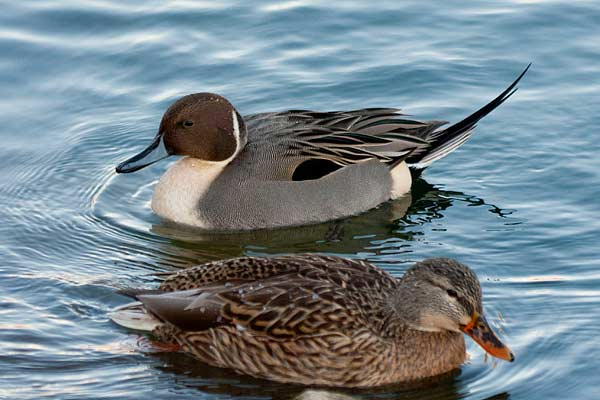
[[353, 235]]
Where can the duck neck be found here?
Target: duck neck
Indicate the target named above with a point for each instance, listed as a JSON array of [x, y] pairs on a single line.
[[418, 353], [182, 187], [408, 303]]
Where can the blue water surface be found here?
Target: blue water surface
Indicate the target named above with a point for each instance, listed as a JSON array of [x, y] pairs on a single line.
[[84, 84]]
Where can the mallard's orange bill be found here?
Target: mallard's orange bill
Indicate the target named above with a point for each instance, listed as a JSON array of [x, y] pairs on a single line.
[[479, 330]]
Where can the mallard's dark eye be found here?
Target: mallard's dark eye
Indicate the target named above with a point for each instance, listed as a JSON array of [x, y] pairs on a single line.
[[187, 124], [452, 293]]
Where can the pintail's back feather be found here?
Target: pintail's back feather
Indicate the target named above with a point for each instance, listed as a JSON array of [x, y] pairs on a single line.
[[343, 138]]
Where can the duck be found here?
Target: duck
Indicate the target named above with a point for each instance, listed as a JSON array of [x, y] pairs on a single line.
[[318, 320], [289, 168]]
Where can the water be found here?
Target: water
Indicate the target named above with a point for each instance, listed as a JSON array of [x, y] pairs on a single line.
[[84, 86]]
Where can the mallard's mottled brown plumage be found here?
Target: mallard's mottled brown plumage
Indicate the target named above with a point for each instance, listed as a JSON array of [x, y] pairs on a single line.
[[312, 319]]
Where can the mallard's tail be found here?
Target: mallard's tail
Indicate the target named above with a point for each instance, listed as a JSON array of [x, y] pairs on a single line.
[[134, 316]]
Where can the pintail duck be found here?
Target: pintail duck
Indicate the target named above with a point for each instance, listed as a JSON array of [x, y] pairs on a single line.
[[318, 320], [289, 168]]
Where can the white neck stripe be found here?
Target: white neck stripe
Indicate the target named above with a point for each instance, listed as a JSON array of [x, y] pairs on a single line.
[[236, 130]]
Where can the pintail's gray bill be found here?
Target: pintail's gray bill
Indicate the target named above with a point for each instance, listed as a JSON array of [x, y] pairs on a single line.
[[153, 153]]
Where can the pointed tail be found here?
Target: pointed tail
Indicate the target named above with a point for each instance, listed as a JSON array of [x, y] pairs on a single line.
[[445, 141], [134, 316]]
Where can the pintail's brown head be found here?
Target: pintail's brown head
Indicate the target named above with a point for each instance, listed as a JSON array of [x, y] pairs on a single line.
[[201, 125]]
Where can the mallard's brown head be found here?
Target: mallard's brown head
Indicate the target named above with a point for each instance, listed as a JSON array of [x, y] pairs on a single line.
[[441, 294]]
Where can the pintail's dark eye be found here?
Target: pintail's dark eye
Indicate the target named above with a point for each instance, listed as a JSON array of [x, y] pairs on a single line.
[[187, 124], [452, 293]]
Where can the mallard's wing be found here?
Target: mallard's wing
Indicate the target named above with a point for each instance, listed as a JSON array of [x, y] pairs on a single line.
[[314, 294]]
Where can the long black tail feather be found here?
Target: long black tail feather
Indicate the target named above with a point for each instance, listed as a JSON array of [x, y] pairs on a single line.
[[445, 141]]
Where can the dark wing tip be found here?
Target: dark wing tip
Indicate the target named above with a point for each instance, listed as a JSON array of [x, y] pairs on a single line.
[[135, 293]]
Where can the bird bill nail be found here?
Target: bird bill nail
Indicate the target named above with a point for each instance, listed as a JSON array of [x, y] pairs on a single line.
[[153, 153], [479, 330]]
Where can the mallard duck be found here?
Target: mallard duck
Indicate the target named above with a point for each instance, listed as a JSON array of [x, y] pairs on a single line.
[[318, 320], [289, 168]]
